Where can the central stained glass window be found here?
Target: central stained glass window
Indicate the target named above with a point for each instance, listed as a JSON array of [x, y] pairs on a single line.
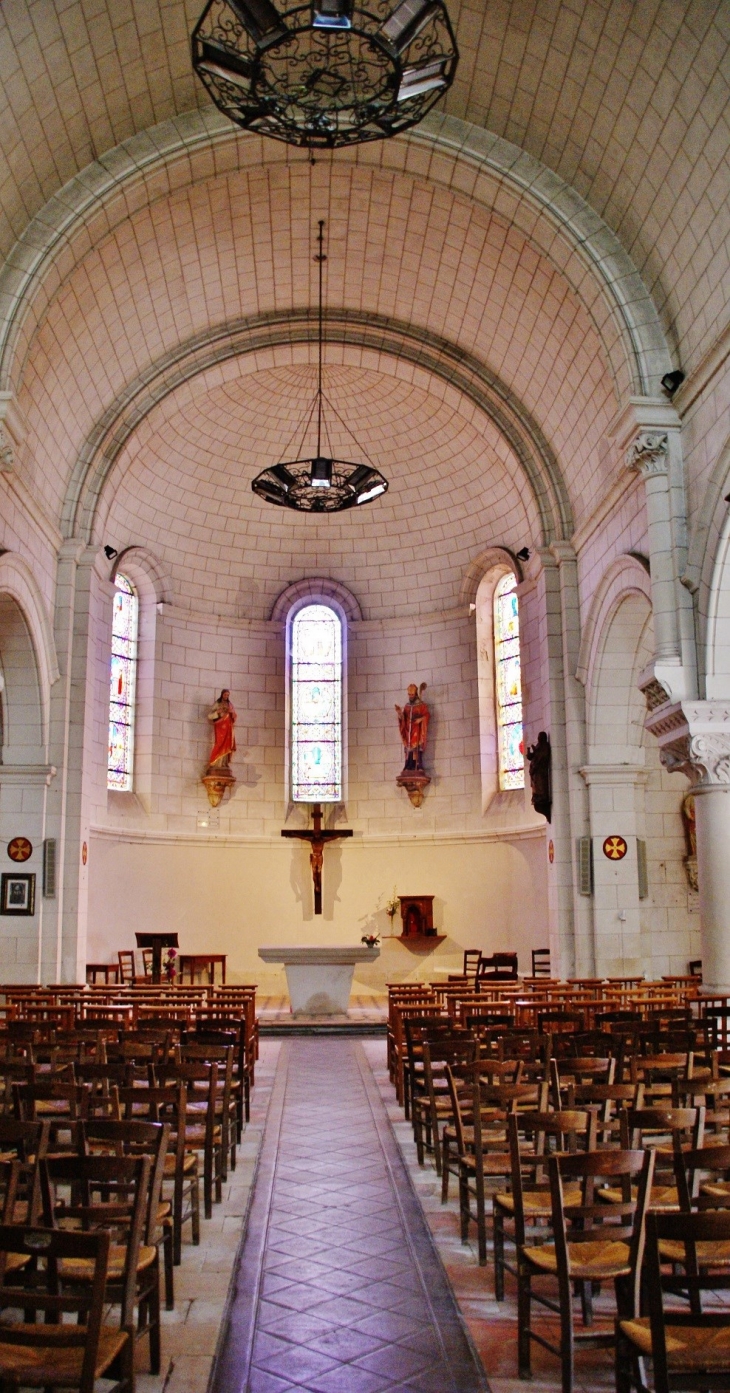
[[316, 706], [122, 686], [509, 684]]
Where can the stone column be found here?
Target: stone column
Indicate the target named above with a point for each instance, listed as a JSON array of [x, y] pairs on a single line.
[[63, 950], [560, 924], [694, 737], [648, 433]]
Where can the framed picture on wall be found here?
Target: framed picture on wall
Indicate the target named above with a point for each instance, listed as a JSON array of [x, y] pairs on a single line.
[[17, 894]]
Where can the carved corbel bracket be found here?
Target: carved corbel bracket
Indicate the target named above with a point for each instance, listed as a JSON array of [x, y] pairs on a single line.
[[648, 452], [12, 431], [694, 739], [216, 784]]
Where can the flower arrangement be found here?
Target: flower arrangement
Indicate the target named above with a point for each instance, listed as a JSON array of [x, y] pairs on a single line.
[[168, 966], [371, 940], [392, 906]]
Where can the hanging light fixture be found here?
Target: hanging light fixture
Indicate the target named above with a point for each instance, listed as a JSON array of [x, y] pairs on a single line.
[[326, 73], [320, 484]]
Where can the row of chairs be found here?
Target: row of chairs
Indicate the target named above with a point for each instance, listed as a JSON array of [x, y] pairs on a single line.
[[582, 1170]]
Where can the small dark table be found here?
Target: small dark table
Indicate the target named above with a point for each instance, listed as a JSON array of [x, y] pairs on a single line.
[[156, 941], [198, 962]]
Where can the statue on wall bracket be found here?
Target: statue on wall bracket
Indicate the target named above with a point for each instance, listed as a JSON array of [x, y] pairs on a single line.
[[413, 719], [218, 777], [540, 769], [690, 833]]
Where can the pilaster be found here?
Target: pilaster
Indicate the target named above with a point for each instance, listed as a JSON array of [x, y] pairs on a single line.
[[648, 434], [612, 790]]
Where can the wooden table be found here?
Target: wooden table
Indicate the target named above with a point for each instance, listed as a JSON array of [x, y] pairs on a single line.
[[198, 962], [94, 970]]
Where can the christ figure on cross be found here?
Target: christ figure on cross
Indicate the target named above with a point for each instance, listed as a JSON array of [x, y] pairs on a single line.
[[317, 838]]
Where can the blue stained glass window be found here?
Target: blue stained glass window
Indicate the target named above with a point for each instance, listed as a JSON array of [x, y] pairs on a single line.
[[122, 685], [508, 684], [316, 706]]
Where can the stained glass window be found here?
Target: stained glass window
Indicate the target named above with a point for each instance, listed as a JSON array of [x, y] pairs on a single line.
[[122, 683], [508, 684], [316, 706]]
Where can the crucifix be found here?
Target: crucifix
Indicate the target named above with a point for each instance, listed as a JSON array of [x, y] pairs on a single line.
[[317, 838]]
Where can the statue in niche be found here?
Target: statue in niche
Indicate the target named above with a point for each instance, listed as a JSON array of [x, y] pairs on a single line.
[[413, 720], [540, 770], [218, 776], [690, 835]]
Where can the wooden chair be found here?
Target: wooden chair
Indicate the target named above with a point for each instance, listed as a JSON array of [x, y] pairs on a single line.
[[127, 967], [578, 1255], [668, 1131], [541, 962], [226, 1102], [50, 1351], [203, 1130], [100, 1136], [181, 1174], [433, 1109], [472, 959], [527, 1206], [688, 1349], [109, 1193], [500, 967], [482, 1147]]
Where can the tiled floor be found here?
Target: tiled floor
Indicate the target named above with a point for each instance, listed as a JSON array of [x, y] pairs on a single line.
[[339, 1289]]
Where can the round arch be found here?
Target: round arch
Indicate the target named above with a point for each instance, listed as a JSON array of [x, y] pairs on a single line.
[[389, 340], [18, 583], [459, 154]]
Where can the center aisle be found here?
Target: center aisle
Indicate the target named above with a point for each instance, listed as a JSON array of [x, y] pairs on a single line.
[[338, 1288]]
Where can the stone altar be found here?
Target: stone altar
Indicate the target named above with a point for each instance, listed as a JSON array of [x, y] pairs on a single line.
[[319, 979]]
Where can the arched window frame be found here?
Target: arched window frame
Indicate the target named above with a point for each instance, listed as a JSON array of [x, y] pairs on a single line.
[[123, 683], [327, 601], [498, 564], [508, 688], [152, 586]]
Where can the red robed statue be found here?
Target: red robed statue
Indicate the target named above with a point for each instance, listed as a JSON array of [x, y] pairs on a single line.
[[223, 716], [413, 721]]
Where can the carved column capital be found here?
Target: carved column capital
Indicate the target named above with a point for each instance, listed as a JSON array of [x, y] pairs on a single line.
[[648, 453], [694, 739]]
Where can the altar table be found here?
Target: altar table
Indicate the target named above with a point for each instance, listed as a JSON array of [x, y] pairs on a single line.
[[319, 979], [198, 962]]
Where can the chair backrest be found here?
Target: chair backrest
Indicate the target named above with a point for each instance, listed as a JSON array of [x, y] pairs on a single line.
[[684, 1231], [127, 965], [500, 967], [472, 958], [101, 1192], [133, 1138], [593, 1218], [541, 962], [51, 1300], [532, 1138]]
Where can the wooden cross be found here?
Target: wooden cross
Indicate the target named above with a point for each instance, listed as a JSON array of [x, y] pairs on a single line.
[[317, 838]]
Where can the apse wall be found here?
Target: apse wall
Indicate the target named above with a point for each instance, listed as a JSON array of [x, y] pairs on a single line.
[[227, 881]]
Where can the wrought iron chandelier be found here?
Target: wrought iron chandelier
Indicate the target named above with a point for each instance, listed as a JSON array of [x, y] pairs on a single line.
[[320, 484], [327, 73]]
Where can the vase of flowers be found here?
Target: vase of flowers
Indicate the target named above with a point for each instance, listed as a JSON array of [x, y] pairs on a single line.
[[371, 940], [169, 966], [392, 907]]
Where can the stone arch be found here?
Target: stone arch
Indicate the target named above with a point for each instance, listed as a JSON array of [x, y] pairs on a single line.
[[622, 646], [627, 573], [370, 334], [458, 153], [28, 632], [147, 572], [316, 588], [478, 568]]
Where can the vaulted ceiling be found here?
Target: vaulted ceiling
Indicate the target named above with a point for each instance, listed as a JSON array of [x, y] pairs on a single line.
[[626, 99]]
